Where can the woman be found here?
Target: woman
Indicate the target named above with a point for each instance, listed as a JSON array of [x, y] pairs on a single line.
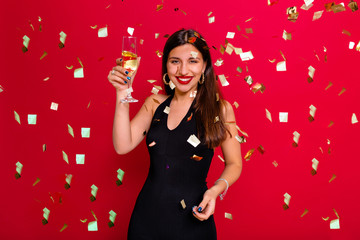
[[175, 202]]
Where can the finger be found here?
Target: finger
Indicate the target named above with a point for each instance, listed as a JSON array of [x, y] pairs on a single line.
[[119, 61], [116, 78]]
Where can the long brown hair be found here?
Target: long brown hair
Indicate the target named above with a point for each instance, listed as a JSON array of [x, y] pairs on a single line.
[[208, 104]]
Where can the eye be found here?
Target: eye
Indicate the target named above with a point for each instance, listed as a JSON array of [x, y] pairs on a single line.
[[174, 61], [194, 61]]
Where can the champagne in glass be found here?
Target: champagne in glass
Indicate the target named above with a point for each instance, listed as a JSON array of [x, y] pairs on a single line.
[[130, 63]]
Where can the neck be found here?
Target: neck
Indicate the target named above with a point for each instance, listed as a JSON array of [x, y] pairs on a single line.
[[184, 97]]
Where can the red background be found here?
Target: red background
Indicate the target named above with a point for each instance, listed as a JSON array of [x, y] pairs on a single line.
[[256, 200]]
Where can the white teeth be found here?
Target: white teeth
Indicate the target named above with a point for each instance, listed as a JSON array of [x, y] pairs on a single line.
[[184, 79]]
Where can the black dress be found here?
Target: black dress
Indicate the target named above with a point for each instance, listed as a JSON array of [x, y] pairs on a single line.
[[174, 175]]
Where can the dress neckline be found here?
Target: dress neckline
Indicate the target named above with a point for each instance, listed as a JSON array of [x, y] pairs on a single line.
[[182, 120]]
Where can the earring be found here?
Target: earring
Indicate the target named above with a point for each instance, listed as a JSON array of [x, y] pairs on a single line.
[[164, 79], [202, 80]]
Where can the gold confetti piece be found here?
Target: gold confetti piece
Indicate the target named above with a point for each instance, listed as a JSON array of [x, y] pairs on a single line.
[[183, 12], [40, 27], [153, 143], [158, 87], [159, 54], [130, 30], [317, 15], [17, 117], [268, 115], [94, 27], [335, 224], [311, 74], [332, 178], [312, 113], [228, 216], [36, 181], [358, 47], [107, 6], [272, 61], [94, 215], [167, 110], [209, 14], [337, 215], [196, 158], [283, 56], [159, 7], [331, 123], [172, 86], [46, 216], [261, 149], [25, 43], [338, 8], [353, 6], [182, 202], [65, 157], [239, 69], [325, 219], [44, 147], [80, 62], [328, 86], [346, 32], [241, 139], [156, 101], [249, 30], [292, 14], [281, 66], [249, 154], [88, 105], [223, 80], [219, 62], [31, 25], [154, 90], [44, 55], [64, 227], [71, 67], [287, 198], [193, 140], [236, 104], [151, 81], [272, 2], [286, 35], [248, 79], [221, 158], [275, 163], [315, 164], [305, 212], [342, 91], [248, 20], [62, 39], [190, 117], [217, 97], [257, 87], [19, 168], [296, 139], [70, 130]]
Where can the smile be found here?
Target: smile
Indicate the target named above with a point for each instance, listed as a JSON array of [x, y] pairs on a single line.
[[184, 79]]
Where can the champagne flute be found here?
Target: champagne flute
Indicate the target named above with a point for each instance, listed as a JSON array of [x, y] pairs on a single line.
[[130, 63]]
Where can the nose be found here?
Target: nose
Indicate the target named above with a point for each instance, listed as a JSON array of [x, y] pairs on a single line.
[[182, 69]]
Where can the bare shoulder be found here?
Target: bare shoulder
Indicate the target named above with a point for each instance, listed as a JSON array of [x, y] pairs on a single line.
[[228, 111], [154, 100]]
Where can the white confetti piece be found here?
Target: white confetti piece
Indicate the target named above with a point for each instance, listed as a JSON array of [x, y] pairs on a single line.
[[283, 116], [193, 140], [19, 167], [172, 85], [130, 30], [80, 158], [268, 115], [154, 90], [112, 216], [281, 66], [335, 224], [230, 35], [68, 178], [312, 111], [167, 110], [311, 71], [354, 119], [94, 190], [85, 132], [228, 216], [62, 37], [194, 54], [65, 157], [32, 119], [46, 214], [315, 164], [92, 226], [287, 198], [351, 45], [79, 73], [102, 32], [296, 137], [54, 106], [317, 15], [246, 56], [211, 19]]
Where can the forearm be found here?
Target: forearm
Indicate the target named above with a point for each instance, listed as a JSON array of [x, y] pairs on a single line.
[[121, 127], [231, 173]]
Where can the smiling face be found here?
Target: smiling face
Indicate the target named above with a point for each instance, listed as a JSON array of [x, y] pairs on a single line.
[[185, 65]]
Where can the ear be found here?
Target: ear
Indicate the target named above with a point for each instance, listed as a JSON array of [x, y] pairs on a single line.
[[204, 67]]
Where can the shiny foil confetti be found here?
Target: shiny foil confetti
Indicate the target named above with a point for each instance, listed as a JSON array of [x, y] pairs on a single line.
[[80, 159], [283, 116], [193, 140], [249, 80], [120, 177], [65, 157], [332, 178], [70, 130], [249, 154], [353, 6], [46, 216], [287, 198], [167, 110], [240, 139], [54, 106], [94, 190], [315, 164], [154, 90], [296, 138], [17, 117], [354, 119], [112, 216], [246, 56], [36, 181], [219, 62], [68, 178], [236, 104], [221, 158], [44, 55], [286, 35], [261, 149], [228, 216], [305, 212], [183, 205], [317, 15], [342, 91], [268, 115], [281, 66], [211, 19], [335, 224], [26, 41], [19, 168], [223, 80], [292, 14], [32, 119], [275, 164], [311, 74], [230, 35], [153, 143], [62, 39], [196, 158], [328, 86], [312, 113], [103, 32]]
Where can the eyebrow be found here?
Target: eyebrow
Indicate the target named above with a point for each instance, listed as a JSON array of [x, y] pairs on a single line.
[[188, 58]]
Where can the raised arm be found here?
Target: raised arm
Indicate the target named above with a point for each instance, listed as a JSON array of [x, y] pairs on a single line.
[[233, 166], [128, 134]]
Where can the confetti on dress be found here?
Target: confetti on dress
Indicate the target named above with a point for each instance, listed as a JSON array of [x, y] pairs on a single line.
[[193, 140]]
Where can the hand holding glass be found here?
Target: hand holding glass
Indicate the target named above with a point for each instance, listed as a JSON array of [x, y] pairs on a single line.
[[130, 63]]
